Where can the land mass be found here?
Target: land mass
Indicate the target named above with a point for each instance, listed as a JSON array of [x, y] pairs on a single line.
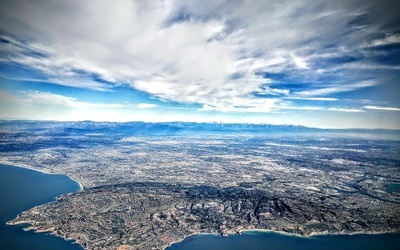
[[146, 186]]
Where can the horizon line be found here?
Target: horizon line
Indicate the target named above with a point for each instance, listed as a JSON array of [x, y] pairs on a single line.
[[195, 122]]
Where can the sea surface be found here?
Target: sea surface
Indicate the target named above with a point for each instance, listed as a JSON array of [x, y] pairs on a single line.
[[21, 189], [255, 240]]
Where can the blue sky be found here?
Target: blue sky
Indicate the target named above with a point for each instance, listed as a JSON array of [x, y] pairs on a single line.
[[330, 64]]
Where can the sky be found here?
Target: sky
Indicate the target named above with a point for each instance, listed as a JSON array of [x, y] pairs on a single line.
[[326, 64]]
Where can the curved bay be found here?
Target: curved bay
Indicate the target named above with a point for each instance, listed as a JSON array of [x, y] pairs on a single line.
[[22, 189]]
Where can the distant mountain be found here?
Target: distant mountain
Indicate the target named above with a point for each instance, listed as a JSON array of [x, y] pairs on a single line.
[[170, 128], [144, 127]]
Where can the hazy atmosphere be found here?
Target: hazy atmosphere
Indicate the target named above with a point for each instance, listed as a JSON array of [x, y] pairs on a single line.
[[328, 64]]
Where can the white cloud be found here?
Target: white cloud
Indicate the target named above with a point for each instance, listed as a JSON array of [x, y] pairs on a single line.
[[346, 110], [299, 62], [337, 89], [146, 105], [211, 58], [267, 105], [327, 99], [319, 108], [382, 108], [274, 91], [307, 108], [36, 97], [389, 39]]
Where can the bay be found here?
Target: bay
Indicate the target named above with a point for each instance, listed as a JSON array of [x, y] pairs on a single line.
[[22, 189], [259, 240]]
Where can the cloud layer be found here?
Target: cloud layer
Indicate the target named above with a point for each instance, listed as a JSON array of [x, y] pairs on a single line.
[[245, 56]]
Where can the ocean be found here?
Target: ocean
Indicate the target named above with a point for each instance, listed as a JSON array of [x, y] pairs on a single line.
[[22, 189], [256, 240]]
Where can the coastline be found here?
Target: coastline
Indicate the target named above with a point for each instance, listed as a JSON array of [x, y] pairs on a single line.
[[239, 232], [55, 198], [313, 234], [31, 227], [229, 233], [192, 234], [44, 171], [22, 165], [28, 225], [79, 183], [317, 233]]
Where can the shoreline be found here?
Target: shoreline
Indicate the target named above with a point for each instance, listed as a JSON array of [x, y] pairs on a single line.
[[10, 223], [316, 233], [44, 171], [27, 225], [266, 231], [30, 227], [79, 183]]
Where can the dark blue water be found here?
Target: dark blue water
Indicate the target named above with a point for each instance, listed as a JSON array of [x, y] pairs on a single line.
[[252, 240], [21, 189]]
